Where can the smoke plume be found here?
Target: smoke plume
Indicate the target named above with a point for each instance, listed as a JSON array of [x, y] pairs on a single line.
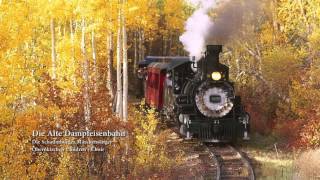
[[197, 28], [201, 29]]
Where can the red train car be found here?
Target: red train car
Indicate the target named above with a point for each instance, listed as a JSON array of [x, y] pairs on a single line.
[[155, 75]]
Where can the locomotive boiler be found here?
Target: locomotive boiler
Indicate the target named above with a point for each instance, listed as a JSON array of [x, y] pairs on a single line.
[[198, 95]]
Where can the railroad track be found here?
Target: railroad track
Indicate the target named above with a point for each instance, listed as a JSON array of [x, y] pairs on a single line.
[[219, 161], [230, 163]]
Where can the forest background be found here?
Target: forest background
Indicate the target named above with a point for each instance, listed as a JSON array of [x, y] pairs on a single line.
[[61, 64]]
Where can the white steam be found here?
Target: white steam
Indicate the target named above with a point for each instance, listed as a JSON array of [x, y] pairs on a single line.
[[201, 29], [197, 28]]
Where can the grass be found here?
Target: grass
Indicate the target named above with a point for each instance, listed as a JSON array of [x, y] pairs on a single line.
[[270, 161], [269, 166], [308, 164]]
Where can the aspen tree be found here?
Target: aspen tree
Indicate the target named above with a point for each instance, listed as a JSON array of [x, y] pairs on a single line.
[[135, 59], [125, 65], [141, 47], [109, 65], [110, 58], [119, 73], [170, 43], [87, 113], [94, 57], [142, 44], [165, 42], [53, 49], [73, 53]]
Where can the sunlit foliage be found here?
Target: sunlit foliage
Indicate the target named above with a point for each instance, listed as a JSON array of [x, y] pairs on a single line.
[[37, 95], [275, 60]]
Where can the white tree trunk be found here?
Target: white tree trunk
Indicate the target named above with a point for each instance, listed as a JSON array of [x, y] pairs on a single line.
[[141, 48], [109, 65], [150, 47], [94, 57], [165, 41], [59, 31], [135, 53], [238, 68], [87, 110], [170, 43], [73, 54], [119, 79], [53, 49], [142, 45], [110, 59], [64, 30], [125, 68]]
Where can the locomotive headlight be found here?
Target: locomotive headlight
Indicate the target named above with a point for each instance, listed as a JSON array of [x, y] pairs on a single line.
[[216, 76]]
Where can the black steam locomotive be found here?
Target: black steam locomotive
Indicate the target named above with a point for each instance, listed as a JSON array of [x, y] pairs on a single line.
[[198, 95]]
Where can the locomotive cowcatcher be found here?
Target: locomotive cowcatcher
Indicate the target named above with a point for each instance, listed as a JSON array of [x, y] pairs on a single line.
[[197, 95]]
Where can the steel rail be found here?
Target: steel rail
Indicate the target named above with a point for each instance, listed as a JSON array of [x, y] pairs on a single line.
[[216, 161], [219, 161], [246, 162]]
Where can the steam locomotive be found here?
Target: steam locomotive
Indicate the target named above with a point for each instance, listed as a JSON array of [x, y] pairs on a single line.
[[197, 95]]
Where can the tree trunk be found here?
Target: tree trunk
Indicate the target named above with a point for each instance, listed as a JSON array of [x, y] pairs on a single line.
[[170, 43], [53, 49], [238, 67], [139, 45], [110, 59], [164, 46], [256, 54], [135, 61], [119, 79], [142, 45], [141, 48], [59, 31], [303, 14], [109, 65], [73, 54], [150, 47], [64, 30], [309, 60], [275, 22], [86, 98], [94, 57], [125, 68], [259, 60]]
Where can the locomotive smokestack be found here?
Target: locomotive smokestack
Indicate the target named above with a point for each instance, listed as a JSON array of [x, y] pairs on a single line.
[[212, 53], [210, 62]]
